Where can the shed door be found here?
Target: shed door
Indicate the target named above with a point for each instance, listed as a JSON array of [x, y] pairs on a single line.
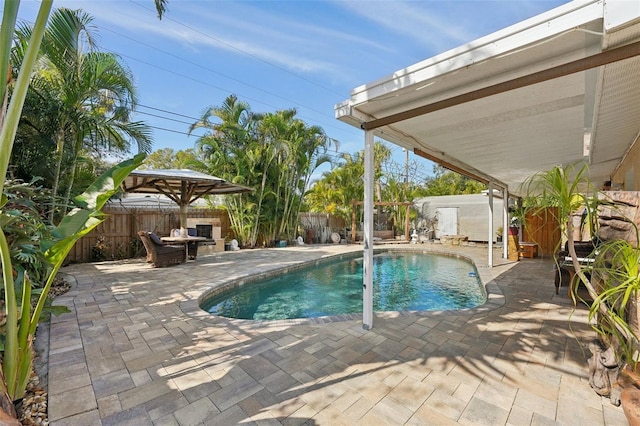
[[447, 221]]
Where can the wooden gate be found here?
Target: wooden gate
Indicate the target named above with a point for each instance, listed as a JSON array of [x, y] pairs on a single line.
[[543, 229]]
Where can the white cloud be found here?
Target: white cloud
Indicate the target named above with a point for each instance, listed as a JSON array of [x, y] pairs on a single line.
[[421, 22], [232, 27]]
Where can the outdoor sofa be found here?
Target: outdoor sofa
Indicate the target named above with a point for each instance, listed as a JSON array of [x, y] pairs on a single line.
[[159, 254]]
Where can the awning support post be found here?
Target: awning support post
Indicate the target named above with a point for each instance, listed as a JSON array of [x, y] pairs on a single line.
[[367, 263], [505, 221], [490, 254]]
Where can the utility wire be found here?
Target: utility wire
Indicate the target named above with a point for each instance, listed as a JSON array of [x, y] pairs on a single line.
[[208, 84], [257, 58], [162, 117], [168, 112], [214, 71]]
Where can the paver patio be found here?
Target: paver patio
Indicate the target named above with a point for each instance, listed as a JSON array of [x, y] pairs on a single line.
[[136, 350]]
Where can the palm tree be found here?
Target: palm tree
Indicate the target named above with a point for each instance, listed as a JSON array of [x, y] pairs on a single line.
[[276, 153], [224, 151], [19, 332], [95, 94]]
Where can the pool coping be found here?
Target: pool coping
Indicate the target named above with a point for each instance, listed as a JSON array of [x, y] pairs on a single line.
[[191, 307]]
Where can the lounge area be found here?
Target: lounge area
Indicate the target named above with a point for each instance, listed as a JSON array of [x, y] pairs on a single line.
[[160, 254], [136, 349]]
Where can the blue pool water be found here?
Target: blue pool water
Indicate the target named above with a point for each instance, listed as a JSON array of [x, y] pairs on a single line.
[[402, 282]]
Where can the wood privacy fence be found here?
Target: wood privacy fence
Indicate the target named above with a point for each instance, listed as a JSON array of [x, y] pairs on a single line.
[[543, 229], [116, 237]]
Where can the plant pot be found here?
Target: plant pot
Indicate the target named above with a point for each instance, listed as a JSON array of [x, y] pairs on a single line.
[[227, 246], [512, 244], [630, 396]]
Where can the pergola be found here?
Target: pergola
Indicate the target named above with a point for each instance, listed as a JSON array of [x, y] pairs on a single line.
[[560, 88]]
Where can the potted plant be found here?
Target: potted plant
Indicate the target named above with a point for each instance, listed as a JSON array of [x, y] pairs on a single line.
[[615, 315], [612, 282], [499, 233]]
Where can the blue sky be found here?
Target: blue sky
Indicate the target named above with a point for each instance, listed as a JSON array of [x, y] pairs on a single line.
[[275, 55]]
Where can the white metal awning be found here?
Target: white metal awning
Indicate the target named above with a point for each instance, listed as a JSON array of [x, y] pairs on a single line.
[[560, 88], [530, 126]]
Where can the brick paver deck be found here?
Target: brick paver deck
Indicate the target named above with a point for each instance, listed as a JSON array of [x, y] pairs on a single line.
[[136, 350]]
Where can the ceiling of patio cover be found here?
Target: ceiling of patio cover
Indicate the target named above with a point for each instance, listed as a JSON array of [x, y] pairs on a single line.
[[506, 136]]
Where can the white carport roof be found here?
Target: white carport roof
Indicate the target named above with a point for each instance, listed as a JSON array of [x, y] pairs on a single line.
[[493, 129]]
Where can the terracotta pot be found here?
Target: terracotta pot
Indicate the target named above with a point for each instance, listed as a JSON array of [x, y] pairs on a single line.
[[630, 396]]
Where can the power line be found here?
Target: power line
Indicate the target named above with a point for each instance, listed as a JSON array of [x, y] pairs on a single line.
[[205, 83], [164, 118], [214, 71], [174, 131], [257, 58], [168, 112], [222, 89]]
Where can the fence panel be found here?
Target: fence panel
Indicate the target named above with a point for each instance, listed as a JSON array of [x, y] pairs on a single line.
[[544, 230], [117, 236]]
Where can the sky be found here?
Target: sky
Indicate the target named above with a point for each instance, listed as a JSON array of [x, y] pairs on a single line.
[[276, 55]]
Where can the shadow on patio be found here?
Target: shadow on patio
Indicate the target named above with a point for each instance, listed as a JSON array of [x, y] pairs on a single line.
[[134, 356]]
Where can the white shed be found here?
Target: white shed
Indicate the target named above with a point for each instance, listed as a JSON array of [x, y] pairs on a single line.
[[460, 215]]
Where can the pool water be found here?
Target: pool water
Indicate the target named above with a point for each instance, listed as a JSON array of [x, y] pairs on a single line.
[[402, 282]]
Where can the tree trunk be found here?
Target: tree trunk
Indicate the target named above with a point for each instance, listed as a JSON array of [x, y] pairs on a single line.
[[56, 177]]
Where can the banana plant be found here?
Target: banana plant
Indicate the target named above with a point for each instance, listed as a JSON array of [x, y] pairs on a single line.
[[21, 322], [12, 382]]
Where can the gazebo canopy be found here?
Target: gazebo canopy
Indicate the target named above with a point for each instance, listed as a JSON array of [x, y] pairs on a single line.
[[183, 186]]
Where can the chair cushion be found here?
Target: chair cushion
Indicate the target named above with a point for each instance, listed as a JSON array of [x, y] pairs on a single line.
[[155, 239]]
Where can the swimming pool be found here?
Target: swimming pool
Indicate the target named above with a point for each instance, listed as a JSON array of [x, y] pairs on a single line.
[[403, 281]]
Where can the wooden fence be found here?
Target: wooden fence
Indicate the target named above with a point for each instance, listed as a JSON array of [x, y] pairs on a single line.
[[544, 230], [117, 236]]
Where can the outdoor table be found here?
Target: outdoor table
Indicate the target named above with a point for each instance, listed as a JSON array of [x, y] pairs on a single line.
[[186, 241]]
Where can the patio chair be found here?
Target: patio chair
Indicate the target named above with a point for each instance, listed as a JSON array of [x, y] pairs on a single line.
[[564, 271], [159, 254]]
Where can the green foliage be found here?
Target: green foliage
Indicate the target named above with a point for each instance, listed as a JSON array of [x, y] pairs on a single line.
[[16, 363], [167, 158], [447, 182], [21, 219], [99, 249], [614, 274], [274, 153], [564, 188], [616, 271], [21, 319], [337, 188], [73, 76], [21, 322]]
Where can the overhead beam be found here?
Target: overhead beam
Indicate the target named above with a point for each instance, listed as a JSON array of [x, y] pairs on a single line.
[[452, 166], [593, 61]]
